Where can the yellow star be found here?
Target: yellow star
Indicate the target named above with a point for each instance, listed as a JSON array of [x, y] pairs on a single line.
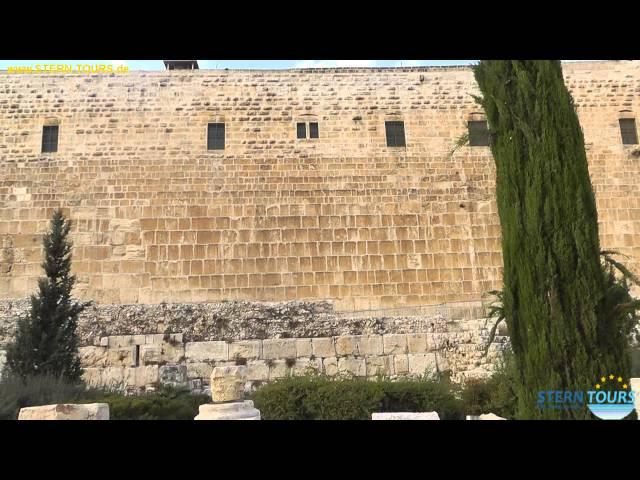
[[624, 386], [603, 379], [611, 377], [619, 379], [597, 386]]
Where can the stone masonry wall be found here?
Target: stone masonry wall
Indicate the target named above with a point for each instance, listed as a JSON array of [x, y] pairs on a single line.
[[159, 218], [136, 346]]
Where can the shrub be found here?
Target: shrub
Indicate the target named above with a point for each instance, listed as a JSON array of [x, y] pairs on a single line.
[[495, 394], [17, 393], [317, 397], [167, 403]]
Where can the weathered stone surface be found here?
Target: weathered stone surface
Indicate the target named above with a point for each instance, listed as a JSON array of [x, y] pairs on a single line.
[[422, 364], [206, 351], [370, 345], [303, 347], [379, 365], [330, 366], [248, 349], [229, 411], [485, 416], [401, 364], [257, 370], [347, 345], [353, 366], [417, 343], [279, 369], [394, 344], [66, 411], [405, 416], [199, 370], [323, 347], [227, 383], [273, 349], [307, 366], [173, 374]]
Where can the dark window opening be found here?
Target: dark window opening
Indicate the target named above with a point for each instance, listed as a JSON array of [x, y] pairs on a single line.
[[313, 130], [50, 138], [628, 131], [395, 134], [478, 133], [215, 136], [136, 359], [301, 129]]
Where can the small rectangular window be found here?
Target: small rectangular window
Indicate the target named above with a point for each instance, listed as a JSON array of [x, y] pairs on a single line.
[[301, 129], [50, 138], [628, 131], [478, 133], [395, 134], [313, 130], [215, 136]]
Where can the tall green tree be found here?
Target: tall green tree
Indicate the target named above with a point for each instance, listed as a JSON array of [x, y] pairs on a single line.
[[46, 342], [568, 315]]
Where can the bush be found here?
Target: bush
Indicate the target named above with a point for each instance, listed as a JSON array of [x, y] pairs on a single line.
[[317, 397], [495, 394], [166, 403], [17, 393]]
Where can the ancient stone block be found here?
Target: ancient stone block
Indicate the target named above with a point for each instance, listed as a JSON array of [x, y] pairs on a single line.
[[228, 411], [303, 347], [248, 349], [206, 351], [394, 344], [379, 365], [227, 383], [257, 370], [405, 416], [417, 343], [401, 364], [421, 364], [353, 366], [199, 370], [323, 347], [66, 411], [279, 348]]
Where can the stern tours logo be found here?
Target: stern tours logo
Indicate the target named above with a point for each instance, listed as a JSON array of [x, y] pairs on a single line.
[[611, 398]]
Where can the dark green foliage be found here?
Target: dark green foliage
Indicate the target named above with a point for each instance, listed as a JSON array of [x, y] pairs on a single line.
[[568, 316], [166, 403], [316, 397], [19, 392], [46, 342], [493, 395]]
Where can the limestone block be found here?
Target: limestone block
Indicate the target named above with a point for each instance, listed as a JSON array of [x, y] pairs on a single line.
[[370, 345], [279, 348], [66, 411], [171, 352], [97, 411], [199, 370], [257, 370], [401, 364], [92, 376], [228, 411], [303, 347], [249, 349], [379, 365], [306, 366], [417, 343], [279, 369], [104, 341], [150, 354], [394, 344], [173, 374], [485, 416], [330, 366], [422, 363], [405, 416], [346, 345], [93, 356], [141, 376], [206, 351], [323, 347], [227, 383], [354, 366], [112, 377]]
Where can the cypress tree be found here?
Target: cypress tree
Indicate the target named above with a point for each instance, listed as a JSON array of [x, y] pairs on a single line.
[[567, 314], [46, 342]]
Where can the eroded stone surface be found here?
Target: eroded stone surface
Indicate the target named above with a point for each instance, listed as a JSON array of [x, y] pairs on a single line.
[[66, 411], [405, 416], [229, 411], [228, 383]]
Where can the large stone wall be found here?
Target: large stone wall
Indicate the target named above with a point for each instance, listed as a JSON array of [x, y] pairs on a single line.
[[158, 218], [138, 346]]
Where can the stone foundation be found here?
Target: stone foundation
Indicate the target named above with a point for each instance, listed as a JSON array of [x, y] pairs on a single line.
[[136, 347]]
